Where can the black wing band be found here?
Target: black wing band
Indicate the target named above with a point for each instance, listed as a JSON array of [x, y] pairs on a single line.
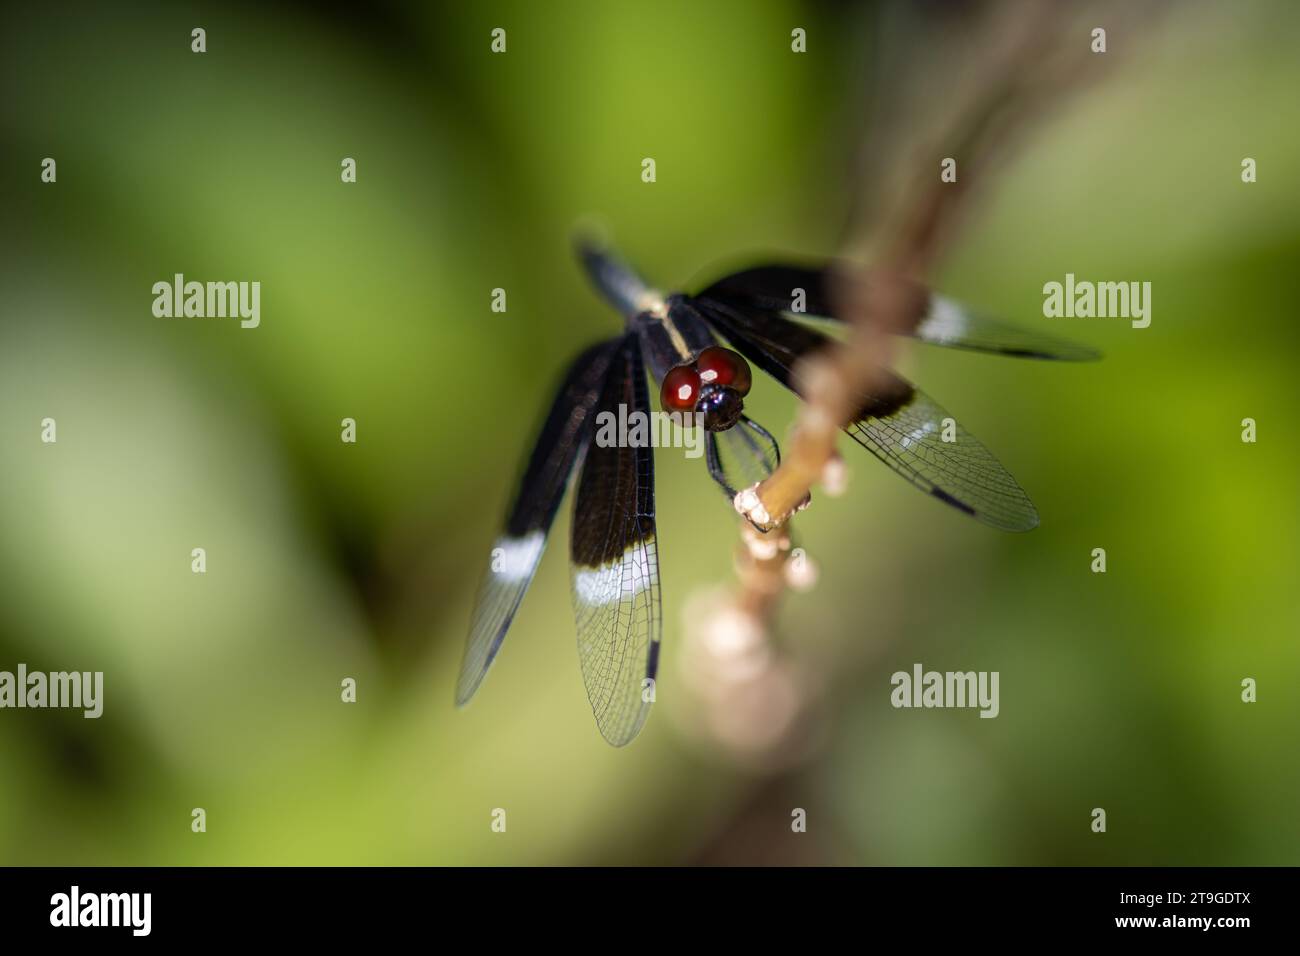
[[518, 550]]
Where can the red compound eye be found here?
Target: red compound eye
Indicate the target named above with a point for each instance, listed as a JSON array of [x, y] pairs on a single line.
[[719, 366], [680, 389]]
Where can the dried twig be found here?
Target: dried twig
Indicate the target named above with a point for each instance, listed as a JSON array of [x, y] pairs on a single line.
[[1023, 72], [1028, 57]]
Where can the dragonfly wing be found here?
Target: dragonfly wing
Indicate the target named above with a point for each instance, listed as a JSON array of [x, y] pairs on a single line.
[[808, 292], [741, 456], [615, 561], [518, 549], [899, 424], [917, 439]]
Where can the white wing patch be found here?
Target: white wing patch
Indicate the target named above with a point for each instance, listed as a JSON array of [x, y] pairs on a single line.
[[518, 557], [618, 581], [946, 322]]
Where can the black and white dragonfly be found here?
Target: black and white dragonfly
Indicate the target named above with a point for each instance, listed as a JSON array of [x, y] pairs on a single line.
[[676, 338]]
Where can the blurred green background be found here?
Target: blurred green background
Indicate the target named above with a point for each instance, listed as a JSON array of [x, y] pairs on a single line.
[[328, 560]]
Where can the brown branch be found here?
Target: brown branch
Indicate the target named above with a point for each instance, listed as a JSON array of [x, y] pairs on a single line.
[[1029, 65], [1032, 56]]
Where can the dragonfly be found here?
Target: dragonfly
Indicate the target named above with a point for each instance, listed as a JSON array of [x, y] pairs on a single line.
[[766, 316]]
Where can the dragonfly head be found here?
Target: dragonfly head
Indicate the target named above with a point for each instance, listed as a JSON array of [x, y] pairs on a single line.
[[714, 385]]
